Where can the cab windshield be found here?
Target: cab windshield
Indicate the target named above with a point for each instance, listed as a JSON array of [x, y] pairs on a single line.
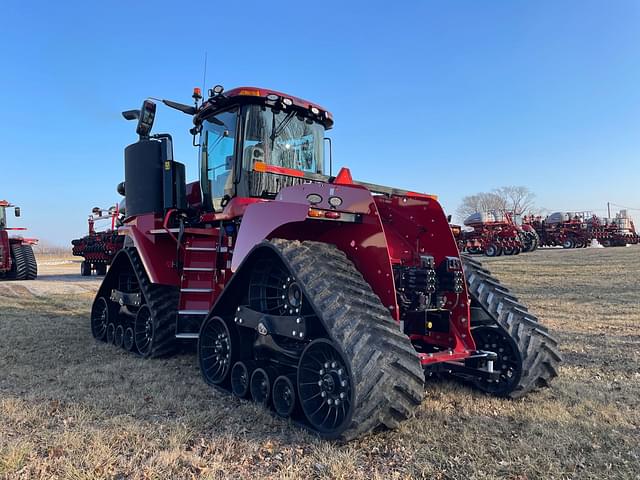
[[252, 134], [282, 138], [3, 218]]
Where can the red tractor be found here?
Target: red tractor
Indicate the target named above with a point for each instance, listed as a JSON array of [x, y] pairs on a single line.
[[326, 299], [566, 229], [17, 260], [492, 233], [99, 248]]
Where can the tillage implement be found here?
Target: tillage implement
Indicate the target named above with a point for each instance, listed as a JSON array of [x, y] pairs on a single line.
[[326, 299]]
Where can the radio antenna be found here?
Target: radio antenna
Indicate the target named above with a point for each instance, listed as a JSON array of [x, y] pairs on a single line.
[[204, 75]]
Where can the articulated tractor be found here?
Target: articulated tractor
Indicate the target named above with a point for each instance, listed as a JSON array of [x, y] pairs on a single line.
[[326, 299], [17, 260]]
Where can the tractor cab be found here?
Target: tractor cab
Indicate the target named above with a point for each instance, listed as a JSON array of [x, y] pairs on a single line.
[[3, 213], [254, 142]]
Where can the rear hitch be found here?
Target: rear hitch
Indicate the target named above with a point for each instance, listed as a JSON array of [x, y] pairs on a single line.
[[478, 366]]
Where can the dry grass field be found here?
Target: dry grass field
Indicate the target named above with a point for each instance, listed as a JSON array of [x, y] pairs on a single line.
[[74, 408]]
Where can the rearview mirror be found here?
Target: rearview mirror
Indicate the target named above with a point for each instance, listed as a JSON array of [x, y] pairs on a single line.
[[147, 116], [448, 218], [17, 211], [131, 114]]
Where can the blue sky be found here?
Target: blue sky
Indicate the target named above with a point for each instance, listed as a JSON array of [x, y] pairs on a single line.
[[446, 97]]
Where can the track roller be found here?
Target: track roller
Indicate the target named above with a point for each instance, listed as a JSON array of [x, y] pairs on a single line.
[[111, 332], [283, 396], [128, 341], [240, 376], [118, 338], [260, 385]]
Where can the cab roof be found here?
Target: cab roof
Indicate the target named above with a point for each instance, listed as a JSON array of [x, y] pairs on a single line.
[[323, 115]]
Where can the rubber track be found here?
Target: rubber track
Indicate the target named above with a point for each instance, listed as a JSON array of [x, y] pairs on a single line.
[[386, 371], [538, 349], [30, 260], [19, 268], [163, 303]]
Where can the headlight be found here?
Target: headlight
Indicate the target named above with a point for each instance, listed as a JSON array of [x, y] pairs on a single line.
[[335, 201]]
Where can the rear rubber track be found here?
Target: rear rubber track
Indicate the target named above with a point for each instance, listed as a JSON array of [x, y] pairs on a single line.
[[30, 260], [163, 303], [19, 267], [538, 349], [386, 371]]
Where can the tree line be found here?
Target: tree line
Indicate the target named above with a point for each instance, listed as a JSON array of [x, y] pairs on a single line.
[[516, 199]]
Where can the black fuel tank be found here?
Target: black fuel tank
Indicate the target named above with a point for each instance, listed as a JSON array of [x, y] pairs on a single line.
[[143, 178]]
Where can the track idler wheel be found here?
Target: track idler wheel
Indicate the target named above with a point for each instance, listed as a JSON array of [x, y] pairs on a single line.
[[111, 332], [128, 342], [283, 396], [240, 377], [568, 243], [509, 361], [325, 388], [118, 339], [217, 350], [100, 318], [143, 331]]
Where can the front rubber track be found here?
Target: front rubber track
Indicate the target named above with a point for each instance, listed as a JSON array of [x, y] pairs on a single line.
[[163, 303], [385, 368], [538, 349], [30, 260]]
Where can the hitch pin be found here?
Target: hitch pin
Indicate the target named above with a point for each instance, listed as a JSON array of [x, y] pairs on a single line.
[[490, 366]]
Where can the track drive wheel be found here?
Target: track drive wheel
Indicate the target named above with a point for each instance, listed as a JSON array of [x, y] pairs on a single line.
[[218, 348]]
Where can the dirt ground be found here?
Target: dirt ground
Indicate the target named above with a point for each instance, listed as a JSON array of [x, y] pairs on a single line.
[[74, 408]]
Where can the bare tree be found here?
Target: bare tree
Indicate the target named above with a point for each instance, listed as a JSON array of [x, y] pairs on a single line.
[[480, 202], [518, 199], [515, 199]]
